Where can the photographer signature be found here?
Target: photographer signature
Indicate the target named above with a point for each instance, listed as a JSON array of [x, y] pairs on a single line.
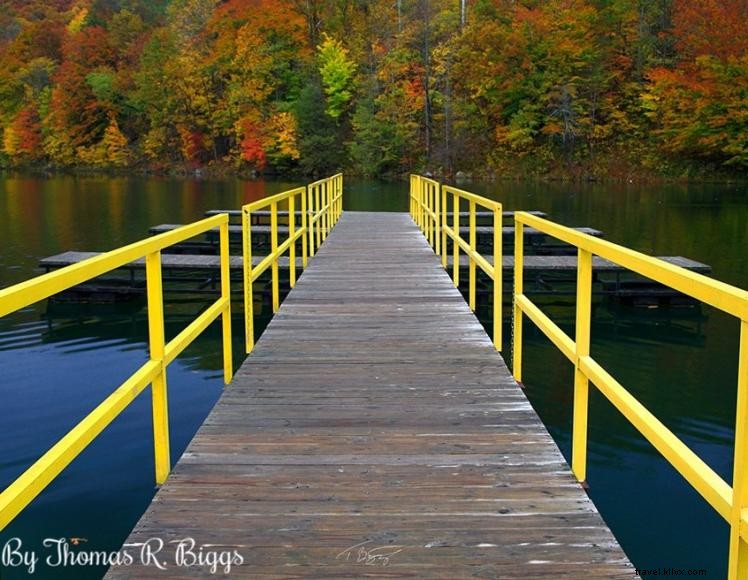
[[363, 554]]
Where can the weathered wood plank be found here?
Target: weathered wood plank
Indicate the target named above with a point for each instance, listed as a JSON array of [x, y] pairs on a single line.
[[374, 431]]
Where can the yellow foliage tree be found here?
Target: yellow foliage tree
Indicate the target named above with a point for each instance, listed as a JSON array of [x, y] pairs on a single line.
[[115, 143]]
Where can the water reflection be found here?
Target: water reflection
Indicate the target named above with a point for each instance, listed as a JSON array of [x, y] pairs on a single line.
[[58, 361]]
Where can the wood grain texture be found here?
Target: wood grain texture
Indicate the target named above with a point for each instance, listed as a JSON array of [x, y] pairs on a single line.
[[375, 432]]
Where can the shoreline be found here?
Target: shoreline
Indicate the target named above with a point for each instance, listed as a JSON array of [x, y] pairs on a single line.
[[228, 172]]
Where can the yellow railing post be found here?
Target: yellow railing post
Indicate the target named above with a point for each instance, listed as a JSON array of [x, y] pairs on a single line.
[[738, 559], [330, 186], [519, 271], [291, 232], [471, 290], [581, 383], [228, 364], [437, 219], [273, 249], [249, 331], [435, 216], [498, 270], [304, 226], [340, 198], [326, 205], [310, 206], [157, 343], [430, 214], [455, 245], [318, 208], [46, 468], [422, 204], [418, 202], [443, 222]]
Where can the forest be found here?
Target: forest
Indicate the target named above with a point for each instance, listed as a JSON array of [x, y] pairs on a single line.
[[558, 88]]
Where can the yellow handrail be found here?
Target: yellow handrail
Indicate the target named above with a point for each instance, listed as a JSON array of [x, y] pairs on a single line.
[[33, 481], [429, 203], [321, 206], [731, 502]]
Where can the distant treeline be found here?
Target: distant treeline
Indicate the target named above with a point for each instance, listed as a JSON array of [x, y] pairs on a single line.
[[559, 87]]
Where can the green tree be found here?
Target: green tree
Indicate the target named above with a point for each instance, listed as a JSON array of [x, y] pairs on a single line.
[[337, 72]]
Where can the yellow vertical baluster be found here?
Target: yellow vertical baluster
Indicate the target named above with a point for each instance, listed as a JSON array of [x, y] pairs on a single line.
[[443, 225], [304, 225], [291, 232], [435, 216], [498, 269], [519, 282], [581, 384], [330, 207], [340, 206], [325, 204], [156, 342], [455, 245], [318, 213], [249, 327], [471, 291], [420, 205], [228, 370], [312, 223], [429, 214], [273, 251], [738, 562]]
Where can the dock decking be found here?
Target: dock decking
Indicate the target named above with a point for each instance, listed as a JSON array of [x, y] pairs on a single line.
[[374, 431]]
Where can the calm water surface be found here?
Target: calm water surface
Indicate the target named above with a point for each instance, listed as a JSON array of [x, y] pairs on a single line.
[[59, 361]]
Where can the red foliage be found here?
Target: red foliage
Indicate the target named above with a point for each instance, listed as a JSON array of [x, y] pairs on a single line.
[[711, 27], [250, 146], [89, 48], [193, 145], [28, 130]]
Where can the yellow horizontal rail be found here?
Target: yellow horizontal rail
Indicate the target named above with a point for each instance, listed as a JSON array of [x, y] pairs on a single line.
[[429, 208], [708, 290], [37, 477], [557, 336], [489, 204], [321, 205], [475, 255], [432, 213], [42, 287], [23, 490], [701, 477], [731, 502]]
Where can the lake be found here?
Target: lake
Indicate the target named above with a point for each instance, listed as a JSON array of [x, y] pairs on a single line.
[[58, 361]]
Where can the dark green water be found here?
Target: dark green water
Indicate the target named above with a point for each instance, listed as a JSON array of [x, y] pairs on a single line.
[[58, 361]]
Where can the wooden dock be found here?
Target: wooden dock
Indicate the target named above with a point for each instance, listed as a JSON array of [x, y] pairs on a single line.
[[374, 431], [195, 273]]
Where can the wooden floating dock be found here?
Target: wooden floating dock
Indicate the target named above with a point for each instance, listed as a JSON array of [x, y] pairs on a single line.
[[531, 263], [263, 217], [374, 431], [235, 231], [541, 276]]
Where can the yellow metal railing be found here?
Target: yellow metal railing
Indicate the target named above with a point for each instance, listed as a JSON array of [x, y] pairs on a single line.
[[321, 205], [33, 481], [430, 205], [730, 502]]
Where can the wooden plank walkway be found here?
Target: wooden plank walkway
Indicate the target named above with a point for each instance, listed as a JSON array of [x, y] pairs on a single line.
[[375, 432]]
